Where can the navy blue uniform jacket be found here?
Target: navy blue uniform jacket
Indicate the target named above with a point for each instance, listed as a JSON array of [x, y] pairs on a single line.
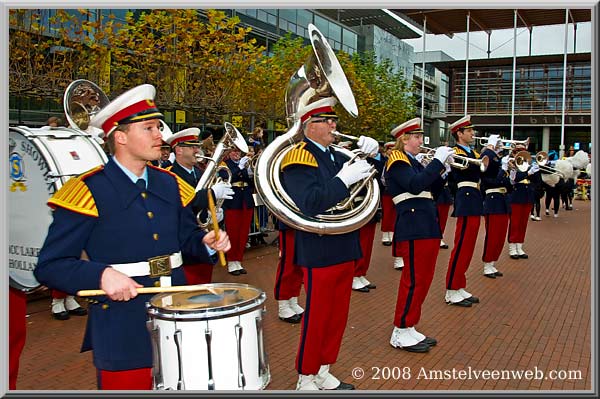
[[309, 179], [417, 218], [113, 223], [200, 202], [495, 177], [523, 191], [241, 194], [467, 200]]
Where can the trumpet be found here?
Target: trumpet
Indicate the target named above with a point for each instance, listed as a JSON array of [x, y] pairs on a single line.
[[458, 161], [520, 161], [512, 144]]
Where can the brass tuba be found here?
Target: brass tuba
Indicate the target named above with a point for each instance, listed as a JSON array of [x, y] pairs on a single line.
[[82, 100], [321, 76]]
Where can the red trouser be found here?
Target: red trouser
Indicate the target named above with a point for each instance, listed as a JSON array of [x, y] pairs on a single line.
[[519, 217], [58, 294], [288, 279], [137, 379], [465, 238], [367, 235], [419, 264], [200, 273], [328, 291], [17, 332], [238, 228], [443, 211], [388, 211], [495, 233]]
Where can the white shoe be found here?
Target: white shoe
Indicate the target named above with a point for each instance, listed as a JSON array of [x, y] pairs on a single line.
[[325, 380], [386, 237], [520, 251], [556, 215], [538, 218], [293, 301], [547, 212], [398, 263], [453, 296], [512, 250], [531, 217], [232, 266], [402, 338], [357, 283], [464, 293], [488, 268], [417, 335], [71, 303], [58, 305], [364, 281], [306, 383], [285, 311]]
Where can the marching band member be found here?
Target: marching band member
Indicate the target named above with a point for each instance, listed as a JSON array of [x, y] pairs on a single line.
[[239, 210], [521, 201], [468, 207], [17, 332], [443, 201], [388, 217], [186, 147], [316, 177], [495, 185], [288, 280], [417, 232], [124, 215]]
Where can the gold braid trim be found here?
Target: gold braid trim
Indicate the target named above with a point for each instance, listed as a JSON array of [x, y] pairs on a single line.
[[76, 196], [396, 155], [460, 151], [299, 156]]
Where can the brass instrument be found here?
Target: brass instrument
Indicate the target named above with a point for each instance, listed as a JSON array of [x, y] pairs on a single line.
[[542, 160], [458, 161], [82, 100], [512, 144], [321, 76], [521, 161], [204, 224]]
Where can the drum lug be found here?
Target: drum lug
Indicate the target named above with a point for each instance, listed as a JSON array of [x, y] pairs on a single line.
[[238, 334], [178, 343], [208, 338], [262, 368], [157, 378]]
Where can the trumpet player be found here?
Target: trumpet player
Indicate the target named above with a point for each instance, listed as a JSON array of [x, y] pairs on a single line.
[[317, 177], [186, 147], [417, 231], [495, 186], [468, 208], [521, 200]]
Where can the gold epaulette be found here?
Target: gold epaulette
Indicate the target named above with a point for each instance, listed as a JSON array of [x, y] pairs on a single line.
[[76, 196], [186, 192], [299, 156], [223, 163], [477, 155], [168, 168], [396, 155], [460, 151]]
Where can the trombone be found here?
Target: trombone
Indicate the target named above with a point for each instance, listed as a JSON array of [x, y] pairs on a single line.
[[542, 160], [458, 161]]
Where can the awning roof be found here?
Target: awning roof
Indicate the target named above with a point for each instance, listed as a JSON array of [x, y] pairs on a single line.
[[356, 17], [450, 21]]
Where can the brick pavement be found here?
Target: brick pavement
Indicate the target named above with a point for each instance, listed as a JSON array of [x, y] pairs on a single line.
[[537, 315]]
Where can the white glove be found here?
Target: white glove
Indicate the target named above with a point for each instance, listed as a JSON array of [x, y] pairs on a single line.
[[419, 157], [243, 162], [534, 168], [222, 190], [513, 175], [493, 140], [368, 145], [352, 173], [505, 163], [219, 213], [442, 153], [448, 168]]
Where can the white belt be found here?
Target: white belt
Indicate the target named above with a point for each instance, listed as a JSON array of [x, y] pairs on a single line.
[[405, 196], [501, 190], [154, 267], [468, 184]]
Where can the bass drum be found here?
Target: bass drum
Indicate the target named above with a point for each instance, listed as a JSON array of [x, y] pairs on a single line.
[[210, 339], [41, 161]]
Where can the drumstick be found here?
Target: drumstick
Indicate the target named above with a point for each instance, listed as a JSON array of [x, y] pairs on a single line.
[[213, 215], [155, 290]]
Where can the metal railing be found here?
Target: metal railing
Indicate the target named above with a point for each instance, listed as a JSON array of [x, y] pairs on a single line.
[[521, 107]]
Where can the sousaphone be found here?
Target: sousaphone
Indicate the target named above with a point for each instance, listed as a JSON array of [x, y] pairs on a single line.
[[82, 100]]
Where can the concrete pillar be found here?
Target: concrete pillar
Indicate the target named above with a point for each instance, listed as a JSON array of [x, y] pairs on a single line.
[[546, 138]]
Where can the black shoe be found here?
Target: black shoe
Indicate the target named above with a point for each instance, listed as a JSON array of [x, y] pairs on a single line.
[[242, 271], [490, 275], [295, 319], [362, 289], [444, 246], [524, 256], [344, 386], [464, 303], [371, 286], [235, 272], [499, 274], [64, 315], [514, 256], [387, 243], [420, 347], [78, 311], [472, 299], [429, 341]]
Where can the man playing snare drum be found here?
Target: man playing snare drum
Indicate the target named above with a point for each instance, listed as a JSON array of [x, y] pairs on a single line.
[[134, 222]]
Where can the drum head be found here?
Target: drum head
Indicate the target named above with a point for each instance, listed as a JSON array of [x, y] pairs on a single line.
[[218, 299]]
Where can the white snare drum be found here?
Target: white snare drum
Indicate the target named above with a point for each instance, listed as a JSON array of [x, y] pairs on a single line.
[[205, 340], [41, 161]]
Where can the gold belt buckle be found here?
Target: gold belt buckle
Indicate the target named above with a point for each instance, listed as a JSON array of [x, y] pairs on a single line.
[[160, 266]]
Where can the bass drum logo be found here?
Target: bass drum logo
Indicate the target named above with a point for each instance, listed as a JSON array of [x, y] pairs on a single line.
[[17, 169]]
